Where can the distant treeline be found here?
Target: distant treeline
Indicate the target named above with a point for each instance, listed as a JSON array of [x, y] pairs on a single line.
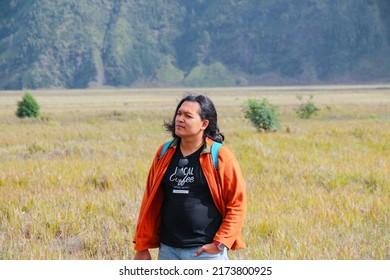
[[120, 43]]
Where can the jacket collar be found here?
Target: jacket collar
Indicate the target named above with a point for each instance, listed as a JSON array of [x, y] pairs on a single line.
[[206, 147]]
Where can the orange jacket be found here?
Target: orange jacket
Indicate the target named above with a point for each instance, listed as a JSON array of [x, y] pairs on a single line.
[[227, 188]]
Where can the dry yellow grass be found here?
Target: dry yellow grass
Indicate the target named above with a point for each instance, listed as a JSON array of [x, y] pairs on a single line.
[[71, 182]]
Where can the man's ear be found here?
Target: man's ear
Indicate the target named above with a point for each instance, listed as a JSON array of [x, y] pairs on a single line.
[[205, 124]]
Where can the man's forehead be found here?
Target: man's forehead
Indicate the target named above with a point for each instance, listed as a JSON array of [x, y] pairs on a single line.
[[190, 107]]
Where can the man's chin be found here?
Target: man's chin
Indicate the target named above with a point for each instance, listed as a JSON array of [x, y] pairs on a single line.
[[178, 133]]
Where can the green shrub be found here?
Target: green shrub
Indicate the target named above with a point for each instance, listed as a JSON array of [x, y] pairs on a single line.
[[307, 109], [263, 115], [27, 107]]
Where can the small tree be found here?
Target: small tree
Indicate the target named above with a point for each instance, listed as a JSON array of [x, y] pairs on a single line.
[[263, 115], [307, 109], [27, 107]]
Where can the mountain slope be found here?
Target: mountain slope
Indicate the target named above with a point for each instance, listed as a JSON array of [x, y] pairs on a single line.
[[79, 44]]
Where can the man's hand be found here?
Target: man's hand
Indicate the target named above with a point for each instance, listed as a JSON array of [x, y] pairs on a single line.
[[142, 255], [208, 248]]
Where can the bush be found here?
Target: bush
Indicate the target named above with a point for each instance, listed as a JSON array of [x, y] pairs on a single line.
[[306, 110], [263, 115], [27, 107]]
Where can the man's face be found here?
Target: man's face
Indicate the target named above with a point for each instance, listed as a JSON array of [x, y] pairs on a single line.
[[188, 122]]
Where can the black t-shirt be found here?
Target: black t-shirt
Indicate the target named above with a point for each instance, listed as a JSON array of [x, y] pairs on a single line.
[[189, 215]]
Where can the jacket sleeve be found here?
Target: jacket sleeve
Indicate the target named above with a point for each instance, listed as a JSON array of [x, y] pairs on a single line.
[[147, 229], [233, 192]]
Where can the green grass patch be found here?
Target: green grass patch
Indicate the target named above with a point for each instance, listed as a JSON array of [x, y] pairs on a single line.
[[71, 182]]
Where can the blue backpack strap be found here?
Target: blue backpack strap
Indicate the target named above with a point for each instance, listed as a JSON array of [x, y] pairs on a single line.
[[165, 148], [214, 153]]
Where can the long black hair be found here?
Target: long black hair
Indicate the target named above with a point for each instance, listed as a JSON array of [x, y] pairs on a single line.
[[207, 112]]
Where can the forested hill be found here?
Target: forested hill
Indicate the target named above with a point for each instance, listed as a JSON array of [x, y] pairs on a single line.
[[125, 43]]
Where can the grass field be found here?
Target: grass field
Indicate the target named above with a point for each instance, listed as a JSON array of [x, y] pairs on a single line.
[[71, 181]]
